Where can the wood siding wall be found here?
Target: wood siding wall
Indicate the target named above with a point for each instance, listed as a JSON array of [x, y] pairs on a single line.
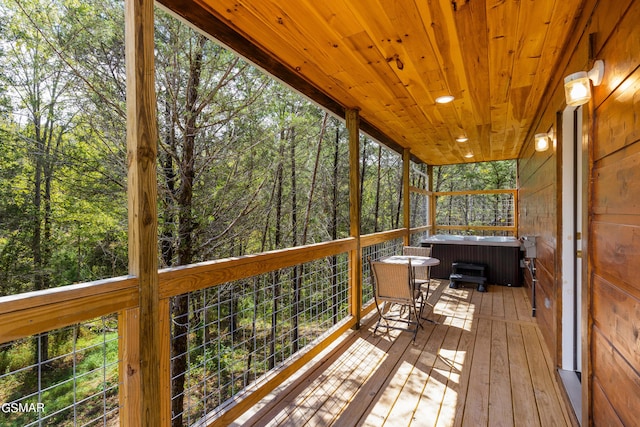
[[615, 218], [608, 31]]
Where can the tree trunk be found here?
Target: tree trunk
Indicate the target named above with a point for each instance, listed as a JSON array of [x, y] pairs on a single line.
[[399, 204], [42, 340], [295, 273], [45, 165], [334, 229], [305, 227], [180, 308], [167, 237], [278, 243], [376, 226], [363, 169]]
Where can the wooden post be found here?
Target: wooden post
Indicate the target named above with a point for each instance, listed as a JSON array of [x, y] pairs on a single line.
[[406, 195], [515, 212], [164, 326], [355, 256], [143, 219], [432, 201], [129, 366]]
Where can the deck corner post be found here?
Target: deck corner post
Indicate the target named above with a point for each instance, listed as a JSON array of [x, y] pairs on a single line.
[[432, 200], [355, 255], [142, 140], [406, 195]]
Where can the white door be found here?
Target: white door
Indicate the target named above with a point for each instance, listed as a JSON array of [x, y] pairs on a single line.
[[571, 277]]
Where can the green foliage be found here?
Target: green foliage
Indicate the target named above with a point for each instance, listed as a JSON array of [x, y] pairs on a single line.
[[475, 176], [80, 370], [480, 209]]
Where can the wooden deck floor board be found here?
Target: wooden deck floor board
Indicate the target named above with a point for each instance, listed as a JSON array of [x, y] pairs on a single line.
[[444, 372], [483, 365], [421, 398], [500, 398], [524, 403]]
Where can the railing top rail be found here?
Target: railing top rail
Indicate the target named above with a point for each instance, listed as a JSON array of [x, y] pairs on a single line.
[[34, 312], [469, 192], [41, 311], [28, 300], [382, 236], [179, 280]]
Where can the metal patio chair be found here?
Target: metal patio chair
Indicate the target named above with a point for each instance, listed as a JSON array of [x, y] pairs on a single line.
[[422, 275], [393, 284]]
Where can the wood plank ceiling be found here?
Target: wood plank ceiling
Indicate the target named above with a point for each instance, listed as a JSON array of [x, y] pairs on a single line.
[[392, 58]]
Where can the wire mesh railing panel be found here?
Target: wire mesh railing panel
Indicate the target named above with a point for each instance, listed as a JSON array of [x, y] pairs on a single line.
[[226, 338], [66, 377], [375, 252], [469, 210], [418, 175], [419, 209], [417, 238]]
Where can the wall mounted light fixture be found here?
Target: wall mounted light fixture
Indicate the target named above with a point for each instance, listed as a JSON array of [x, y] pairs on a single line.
[[543, 140], [577, 89]]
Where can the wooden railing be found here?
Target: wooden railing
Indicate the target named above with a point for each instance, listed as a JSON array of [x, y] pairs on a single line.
[[30, 314], [34, 313], [512, 214]]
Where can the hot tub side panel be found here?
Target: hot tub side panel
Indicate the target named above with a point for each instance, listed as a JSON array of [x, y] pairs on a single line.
[[503, 262]]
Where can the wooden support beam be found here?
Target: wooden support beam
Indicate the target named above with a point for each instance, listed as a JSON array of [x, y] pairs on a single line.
[[355, 255], [143, 219], [406, 195], [129, 366], [164, 325], [432, 201]]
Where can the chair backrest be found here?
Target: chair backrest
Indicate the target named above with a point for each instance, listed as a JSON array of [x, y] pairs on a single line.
[[392, 282], [420, 272], [416, 250]]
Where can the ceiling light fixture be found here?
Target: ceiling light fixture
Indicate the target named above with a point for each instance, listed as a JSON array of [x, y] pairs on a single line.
[[468, 155], [445, 99], [577, 89], [462, 138]]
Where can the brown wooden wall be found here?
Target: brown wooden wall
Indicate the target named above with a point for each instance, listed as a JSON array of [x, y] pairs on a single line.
[[615, 221], [537, 205], [612, 120]]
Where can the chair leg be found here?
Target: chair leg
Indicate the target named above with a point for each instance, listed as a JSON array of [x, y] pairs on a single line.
[[380, 315], [425, 302], [418, 316]]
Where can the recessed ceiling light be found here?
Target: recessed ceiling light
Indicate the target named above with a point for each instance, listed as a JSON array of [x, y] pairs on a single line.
[[468, 155], [462, 139], [444, 99]]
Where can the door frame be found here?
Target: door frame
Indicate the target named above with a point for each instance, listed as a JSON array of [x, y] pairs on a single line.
[[576, 338]]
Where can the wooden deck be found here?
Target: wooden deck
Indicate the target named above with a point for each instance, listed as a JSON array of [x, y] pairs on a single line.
[[484, 364]]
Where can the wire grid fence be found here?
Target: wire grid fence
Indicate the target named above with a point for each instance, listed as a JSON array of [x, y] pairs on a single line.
[[66, 377], [233, 334], [419, 209], [417, 238], [475, 210], [418, 175], [375, 252]]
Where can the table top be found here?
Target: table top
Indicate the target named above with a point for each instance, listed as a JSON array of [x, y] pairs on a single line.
[[416, 261]]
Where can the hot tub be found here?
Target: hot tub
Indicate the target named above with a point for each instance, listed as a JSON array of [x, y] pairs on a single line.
[[500, 254]]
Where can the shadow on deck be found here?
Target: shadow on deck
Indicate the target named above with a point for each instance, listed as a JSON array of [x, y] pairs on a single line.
[[484, 364]]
